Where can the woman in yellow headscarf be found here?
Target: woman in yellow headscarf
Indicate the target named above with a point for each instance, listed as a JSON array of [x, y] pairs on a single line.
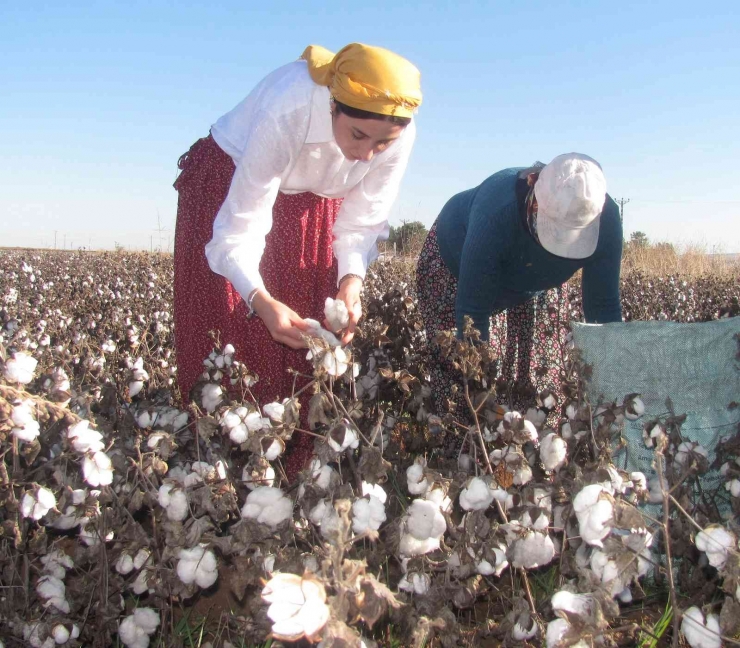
[[281, 206]]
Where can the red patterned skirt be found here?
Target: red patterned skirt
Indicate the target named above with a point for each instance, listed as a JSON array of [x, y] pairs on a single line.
[[297, 267]]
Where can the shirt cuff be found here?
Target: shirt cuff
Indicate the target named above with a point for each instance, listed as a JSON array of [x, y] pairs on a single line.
[[351, 263]]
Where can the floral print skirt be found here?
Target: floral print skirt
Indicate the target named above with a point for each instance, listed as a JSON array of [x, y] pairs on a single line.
[[530, 338], [297, 266]]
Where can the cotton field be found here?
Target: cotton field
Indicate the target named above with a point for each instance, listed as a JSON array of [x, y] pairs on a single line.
[[131, 519]]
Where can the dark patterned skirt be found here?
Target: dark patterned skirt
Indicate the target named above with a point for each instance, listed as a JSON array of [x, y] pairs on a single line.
[[297, 266], [529, 339]]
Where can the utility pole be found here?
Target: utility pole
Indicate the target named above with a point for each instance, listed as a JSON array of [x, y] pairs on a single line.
[[621, 202], [55, 239]]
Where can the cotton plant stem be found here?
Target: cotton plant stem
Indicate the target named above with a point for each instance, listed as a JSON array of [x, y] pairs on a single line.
[[667, 539]]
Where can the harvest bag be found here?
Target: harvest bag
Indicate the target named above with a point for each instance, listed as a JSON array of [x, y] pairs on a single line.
[[695, 365]]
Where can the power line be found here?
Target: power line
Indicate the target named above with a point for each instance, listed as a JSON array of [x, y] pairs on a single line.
[[622, 202]]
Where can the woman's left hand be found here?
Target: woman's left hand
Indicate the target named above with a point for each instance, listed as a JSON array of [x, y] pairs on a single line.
[[349, 292]]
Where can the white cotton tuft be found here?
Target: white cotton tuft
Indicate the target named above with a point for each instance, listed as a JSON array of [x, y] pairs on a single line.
[[415, 582], [415, 480], [274, 411], [197, 565], [374, 489], [594, 510], [533, 549], [367, 514], [336, 313], [124, 564], [476, 496], [211, 396], [36, 504], [701, 633], [97, 469], [60, 634], [52, 590], [350, 440], [553, 451], [174, 501], [267, 505], [715, 541], [135, 630], [20, 368], [84, 439]]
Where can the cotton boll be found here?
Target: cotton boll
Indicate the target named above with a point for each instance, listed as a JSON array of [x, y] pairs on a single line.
[[578, 604], [97, 469], [535, 416], [260, 476], [634, 408], [274, 411], [52, 590], [36, 504], [272, 448], [124, 564], [84, 439], [56, 563], [376, 490], [135, 630], [60, 634], [417, 483], [556, 631], [367, 514], [134, 387], [22, 413], [594, 510], [28, 433], [533, 549], [197, 565], [716, 541], [553, 451], [523, 630], [20, 368], [315, 329], [174, 501], [415, 582], [439, 496], [322, 475], [701, 633], [424, 520], [336, 313], [348, 439], [211, 396], [476, 496], [335, 362], [267, 505]]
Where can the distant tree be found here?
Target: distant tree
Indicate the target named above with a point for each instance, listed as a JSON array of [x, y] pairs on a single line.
[[639, 239], [407, 238]]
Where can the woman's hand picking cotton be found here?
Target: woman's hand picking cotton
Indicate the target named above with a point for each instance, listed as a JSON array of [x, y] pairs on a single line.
[[349, 292], [284, 324]]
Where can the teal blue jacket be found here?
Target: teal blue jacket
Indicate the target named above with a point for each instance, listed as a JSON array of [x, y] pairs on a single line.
[[485, 243]]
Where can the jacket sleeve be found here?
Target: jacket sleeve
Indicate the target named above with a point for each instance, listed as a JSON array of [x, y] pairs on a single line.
[[363, 216], [601, 298], [245, 218]]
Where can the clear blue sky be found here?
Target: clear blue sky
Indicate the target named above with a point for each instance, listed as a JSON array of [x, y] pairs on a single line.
[[98, 99]]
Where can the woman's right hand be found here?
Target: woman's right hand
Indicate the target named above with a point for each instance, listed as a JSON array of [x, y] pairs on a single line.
[[284, 324]]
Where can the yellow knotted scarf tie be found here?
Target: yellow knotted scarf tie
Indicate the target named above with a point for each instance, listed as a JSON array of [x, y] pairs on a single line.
[[366, 77]]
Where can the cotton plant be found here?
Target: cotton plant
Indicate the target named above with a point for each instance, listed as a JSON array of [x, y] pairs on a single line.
[[137, 628], [477, 495], [297, 607]]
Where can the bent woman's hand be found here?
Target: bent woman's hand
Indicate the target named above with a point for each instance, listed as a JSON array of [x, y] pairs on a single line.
[[349, 292], [284, 324]]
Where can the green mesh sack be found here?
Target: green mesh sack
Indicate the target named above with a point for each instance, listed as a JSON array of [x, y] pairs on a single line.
[[695, 365]]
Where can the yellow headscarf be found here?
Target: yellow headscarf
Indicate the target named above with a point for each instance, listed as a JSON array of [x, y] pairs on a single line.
[[366, 77]]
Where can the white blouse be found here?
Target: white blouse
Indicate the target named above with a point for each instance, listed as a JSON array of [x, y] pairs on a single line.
[[281, 139]]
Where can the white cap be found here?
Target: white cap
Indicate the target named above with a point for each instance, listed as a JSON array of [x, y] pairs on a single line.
[[570, 193]]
